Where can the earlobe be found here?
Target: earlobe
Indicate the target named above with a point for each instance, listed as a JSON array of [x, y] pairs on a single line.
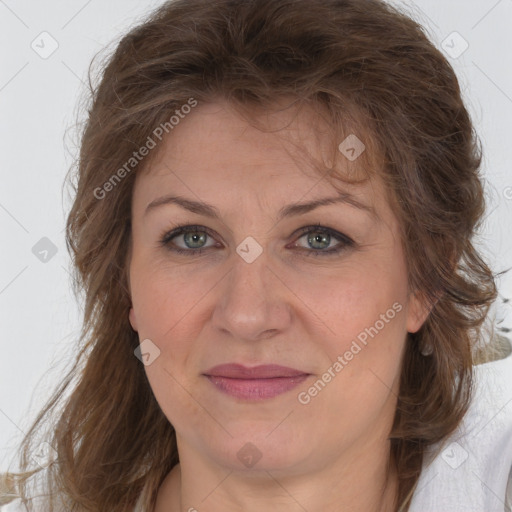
[[417, 312], [133, 321]]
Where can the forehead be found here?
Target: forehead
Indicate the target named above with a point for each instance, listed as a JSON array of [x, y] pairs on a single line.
[[216, 153]]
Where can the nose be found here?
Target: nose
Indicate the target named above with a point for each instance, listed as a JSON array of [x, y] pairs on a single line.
[[252, 301]]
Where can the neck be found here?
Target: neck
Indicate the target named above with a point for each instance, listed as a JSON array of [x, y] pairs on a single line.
[[367, 483]]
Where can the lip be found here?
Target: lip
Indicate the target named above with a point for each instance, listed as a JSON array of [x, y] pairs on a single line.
[[263, 371], [256, 383]]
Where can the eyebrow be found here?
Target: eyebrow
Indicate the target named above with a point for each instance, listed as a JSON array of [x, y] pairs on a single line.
[[208, 210]]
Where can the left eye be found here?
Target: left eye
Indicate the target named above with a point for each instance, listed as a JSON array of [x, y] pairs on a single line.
[[194, 239], [319, 238]]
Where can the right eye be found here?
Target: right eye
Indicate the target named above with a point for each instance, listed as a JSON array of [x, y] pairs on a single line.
[[193, 239]]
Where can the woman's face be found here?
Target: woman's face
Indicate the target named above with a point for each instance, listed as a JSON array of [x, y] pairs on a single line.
[[265, 291]]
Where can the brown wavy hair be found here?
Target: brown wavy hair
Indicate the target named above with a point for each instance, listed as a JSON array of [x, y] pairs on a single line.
[[370, 70]]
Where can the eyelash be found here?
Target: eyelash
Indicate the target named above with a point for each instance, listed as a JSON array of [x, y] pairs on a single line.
[[345, 241]]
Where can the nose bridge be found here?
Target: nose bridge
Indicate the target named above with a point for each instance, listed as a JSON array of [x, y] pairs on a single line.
[[251, 302]]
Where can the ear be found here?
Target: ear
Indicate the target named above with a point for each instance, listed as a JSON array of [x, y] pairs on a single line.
[[133, 320], [418, 310]]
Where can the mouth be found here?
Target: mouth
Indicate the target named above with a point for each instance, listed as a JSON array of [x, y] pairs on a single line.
[[256, 383]]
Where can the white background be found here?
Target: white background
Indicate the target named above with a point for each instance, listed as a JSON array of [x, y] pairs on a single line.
[[38, 105]]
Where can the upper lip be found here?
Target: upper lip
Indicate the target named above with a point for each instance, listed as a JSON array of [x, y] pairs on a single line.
[[265, 371]]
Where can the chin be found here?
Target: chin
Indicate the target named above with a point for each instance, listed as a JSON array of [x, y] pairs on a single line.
[[264, 450]]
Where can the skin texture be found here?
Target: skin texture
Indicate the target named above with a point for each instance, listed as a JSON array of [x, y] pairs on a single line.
[[287, 307]]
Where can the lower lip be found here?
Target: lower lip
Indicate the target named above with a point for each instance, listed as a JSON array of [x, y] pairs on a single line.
[[256, 389]]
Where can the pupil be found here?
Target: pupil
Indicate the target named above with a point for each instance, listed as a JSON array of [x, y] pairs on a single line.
[[324, 237], [195, 238]]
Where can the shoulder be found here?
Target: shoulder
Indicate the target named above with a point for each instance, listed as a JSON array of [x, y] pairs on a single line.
[[470, 471], [13, 506]]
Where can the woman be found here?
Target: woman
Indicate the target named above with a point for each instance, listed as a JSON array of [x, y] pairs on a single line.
[[273, 229]]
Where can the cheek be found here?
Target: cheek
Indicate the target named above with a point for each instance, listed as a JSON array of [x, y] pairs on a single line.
[[165, 298], [351, 301], [167, 314], [363, 321], [364, 326]]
